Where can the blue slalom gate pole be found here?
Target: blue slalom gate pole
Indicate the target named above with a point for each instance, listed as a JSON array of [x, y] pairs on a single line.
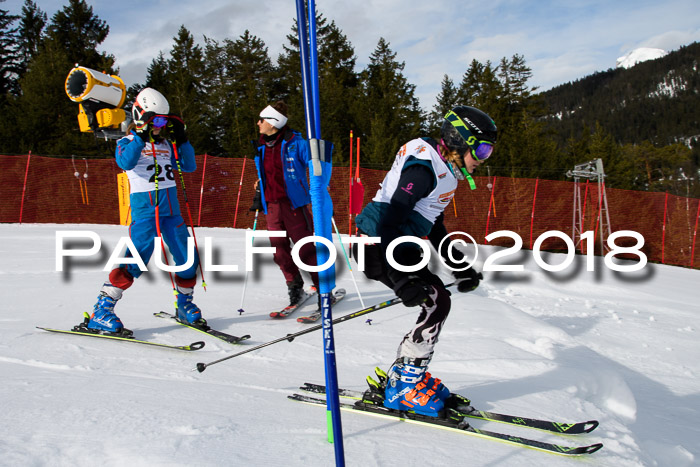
[[320, 168], [305, 75], [313, 70]]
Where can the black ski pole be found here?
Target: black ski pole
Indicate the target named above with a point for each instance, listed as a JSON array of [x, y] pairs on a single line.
[[290, 337]]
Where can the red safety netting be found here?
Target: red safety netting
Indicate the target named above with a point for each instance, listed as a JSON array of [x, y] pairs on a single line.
[[37, 189]]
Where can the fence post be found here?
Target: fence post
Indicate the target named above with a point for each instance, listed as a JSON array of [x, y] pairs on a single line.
[[532, 216], [350, 189], [695, 233], [24, 187], [663, 232], [491, 202], [240, 185], [201, 191]]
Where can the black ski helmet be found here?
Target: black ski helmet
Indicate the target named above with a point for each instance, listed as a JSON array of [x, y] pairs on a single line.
[[478, 123]]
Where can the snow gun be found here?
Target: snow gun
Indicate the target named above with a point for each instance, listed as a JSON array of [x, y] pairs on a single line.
[[100, 98]]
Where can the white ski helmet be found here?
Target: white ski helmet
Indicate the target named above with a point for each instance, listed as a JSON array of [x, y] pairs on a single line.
[[149, 100]]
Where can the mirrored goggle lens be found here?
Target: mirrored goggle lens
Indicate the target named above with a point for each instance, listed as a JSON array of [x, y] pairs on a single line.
[[160, 122], [484, 151]]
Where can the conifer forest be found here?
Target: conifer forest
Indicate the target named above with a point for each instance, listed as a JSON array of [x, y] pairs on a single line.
[[643, 122]]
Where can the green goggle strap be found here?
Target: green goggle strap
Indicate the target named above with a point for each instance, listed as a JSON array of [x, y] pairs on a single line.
[[470, 180]]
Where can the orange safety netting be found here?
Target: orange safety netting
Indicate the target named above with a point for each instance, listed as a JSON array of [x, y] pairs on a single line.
[[38, 189]]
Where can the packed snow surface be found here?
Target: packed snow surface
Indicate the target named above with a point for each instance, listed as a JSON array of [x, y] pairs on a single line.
[[621, 348]]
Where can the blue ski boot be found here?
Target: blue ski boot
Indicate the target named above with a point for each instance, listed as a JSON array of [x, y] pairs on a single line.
[[436, 385], [188, 312], [103, 317], [407, 391]]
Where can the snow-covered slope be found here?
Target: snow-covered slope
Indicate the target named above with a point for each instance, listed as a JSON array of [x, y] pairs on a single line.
[[572, 346], [639, 55]]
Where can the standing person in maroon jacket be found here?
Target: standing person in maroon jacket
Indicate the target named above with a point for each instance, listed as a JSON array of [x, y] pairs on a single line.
[[281, 161]]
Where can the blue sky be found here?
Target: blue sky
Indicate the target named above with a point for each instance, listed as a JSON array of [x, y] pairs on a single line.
[[561, 41]]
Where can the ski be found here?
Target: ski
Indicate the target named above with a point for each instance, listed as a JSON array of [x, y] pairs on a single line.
[[313, 317], [288, 310], [453, 421], [206, 329], [468, 411], [193, 346]]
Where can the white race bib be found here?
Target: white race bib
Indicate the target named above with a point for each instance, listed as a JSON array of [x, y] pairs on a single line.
[[432, 205], [143, 177]]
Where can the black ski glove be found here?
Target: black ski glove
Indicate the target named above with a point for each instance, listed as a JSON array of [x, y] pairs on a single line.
[[144, 133], [467, 280], [413, 291], [176, 127], [143, 126], [257, 201], [409, 287]]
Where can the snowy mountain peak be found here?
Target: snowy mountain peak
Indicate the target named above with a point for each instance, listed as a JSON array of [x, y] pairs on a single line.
[[641, 54]]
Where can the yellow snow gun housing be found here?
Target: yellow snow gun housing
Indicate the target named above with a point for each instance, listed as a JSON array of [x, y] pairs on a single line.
[[100, 98]]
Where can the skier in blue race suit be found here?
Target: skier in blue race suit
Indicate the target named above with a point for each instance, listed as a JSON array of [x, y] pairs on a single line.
[[149, 161], [411, 202]]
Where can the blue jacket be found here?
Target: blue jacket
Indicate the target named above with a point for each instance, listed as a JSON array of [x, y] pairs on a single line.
[[143, 204], [295, 157]]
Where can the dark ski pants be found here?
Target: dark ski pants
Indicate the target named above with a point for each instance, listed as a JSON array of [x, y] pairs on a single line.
[[298, 224], [420, 341]]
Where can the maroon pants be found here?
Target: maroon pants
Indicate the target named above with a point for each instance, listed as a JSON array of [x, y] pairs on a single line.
[[298, 224]]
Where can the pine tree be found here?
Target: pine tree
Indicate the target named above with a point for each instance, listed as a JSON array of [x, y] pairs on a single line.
[[9, 56], [338, 90], [393, 115], [522, 136], [239, 78], [42, 119], [338, 84], [184, 89], [157, 73], [79, 31], [288, 82], [45, 119], [656, 167], [446, 100], [31, 28], [481, 88]]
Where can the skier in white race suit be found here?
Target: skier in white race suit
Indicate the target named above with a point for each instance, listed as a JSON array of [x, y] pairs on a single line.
[[411, 202]]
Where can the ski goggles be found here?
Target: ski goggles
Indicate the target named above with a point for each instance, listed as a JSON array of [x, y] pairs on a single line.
[[159, 122], [481, 150]]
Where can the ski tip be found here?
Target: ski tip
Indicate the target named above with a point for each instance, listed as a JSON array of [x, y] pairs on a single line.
[[593, 448], [590, 426]]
